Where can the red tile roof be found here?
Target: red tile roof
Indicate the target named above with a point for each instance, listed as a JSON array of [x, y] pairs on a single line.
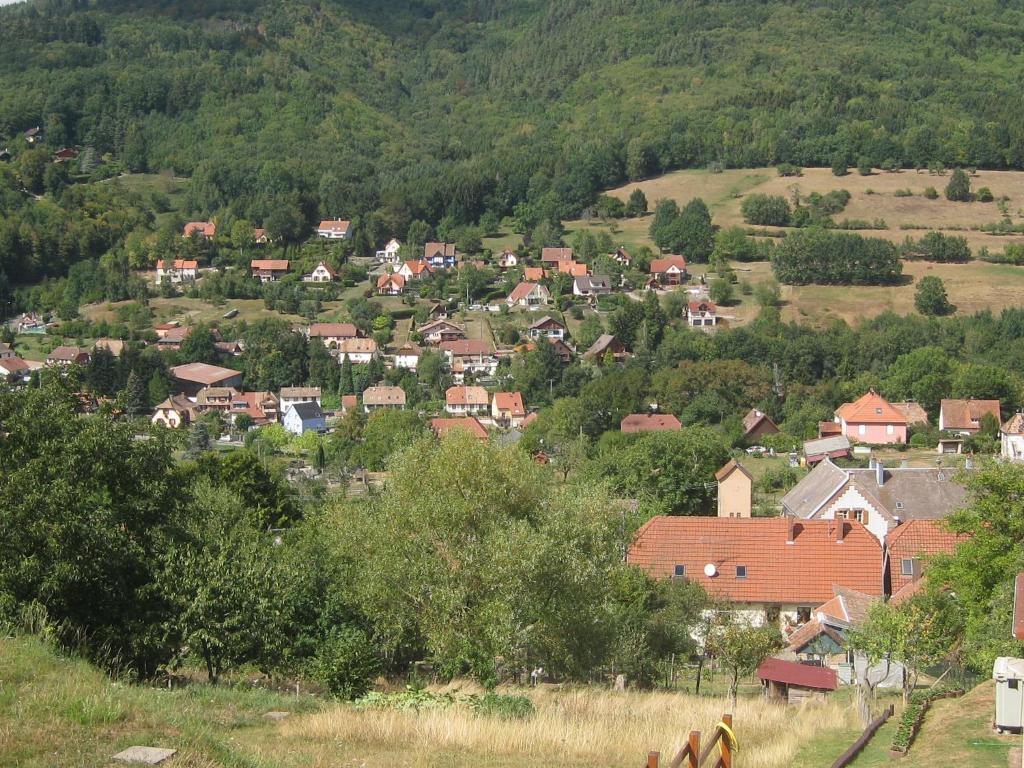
[[870, 408], [792, 673], [533, 274], [433, 250], [650, 422], [465, 347], [202, 373], [442, 426], [523, 290], [967, 414], [728, 469], [572, 268], [341, 330], [416, 267], [664, 264], [205, 228], [179, 264], [551, 254], [334, 225], [510, 401], [804, 572], [461, 395], [385, 280], [696, 307], [916, 539], [271, 265]]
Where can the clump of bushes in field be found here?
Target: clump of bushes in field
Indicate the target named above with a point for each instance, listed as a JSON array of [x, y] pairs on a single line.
[[502, 706]]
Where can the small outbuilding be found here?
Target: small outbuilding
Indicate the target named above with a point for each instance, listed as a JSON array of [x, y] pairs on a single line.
[[795, 683], [1009, 676]]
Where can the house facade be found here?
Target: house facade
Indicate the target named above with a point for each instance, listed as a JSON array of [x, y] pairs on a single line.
[[389, 254], [508, 259], [547, 328], [334, 229], [392, 284], [382, 397], [176, 411], [465, 400], [701, 314], [64, 356], [290, 396], [591, 286], [439, 255], [206, 230], [304, 417], [529, 295], [469, 356], [669, 270], [440, 331], [735, 490], [415, 270], [756, 425], [507, 409], [322, 273], [872, 419], [332, 334], [964, 417], [269, 270], [1011, 438], [408, 356], [176, 271], [358, 351]]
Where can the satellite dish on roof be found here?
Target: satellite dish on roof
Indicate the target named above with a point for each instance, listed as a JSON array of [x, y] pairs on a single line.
[[710, 570]]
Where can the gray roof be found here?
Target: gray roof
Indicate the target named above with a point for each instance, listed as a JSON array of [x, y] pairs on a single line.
[[909, 493], [826, 445], [912, 493], [815, 488], [307, 411]]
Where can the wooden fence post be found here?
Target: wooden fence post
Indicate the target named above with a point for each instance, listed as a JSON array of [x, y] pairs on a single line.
[[652, 759], [726, 743], [694, 749]]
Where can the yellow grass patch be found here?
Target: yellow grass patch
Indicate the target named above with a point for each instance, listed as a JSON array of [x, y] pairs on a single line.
[[570, 727]]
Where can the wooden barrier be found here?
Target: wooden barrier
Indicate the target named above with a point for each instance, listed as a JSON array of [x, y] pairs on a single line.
[[694, 756], [851, 754]]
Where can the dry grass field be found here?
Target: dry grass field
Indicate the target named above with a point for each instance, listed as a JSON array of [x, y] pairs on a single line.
[[873, 197]]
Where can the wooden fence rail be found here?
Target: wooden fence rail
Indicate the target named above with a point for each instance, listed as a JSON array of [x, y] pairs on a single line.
[[692, 756], [851, 754]]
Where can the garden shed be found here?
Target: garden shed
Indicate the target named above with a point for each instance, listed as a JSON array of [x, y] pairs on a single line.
[[794, 683]]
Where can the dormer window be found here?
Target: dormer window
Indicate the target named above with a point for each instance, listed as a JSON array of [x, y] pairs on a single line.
[[741, 571], [899, 505], [878, 411], [679, 571]]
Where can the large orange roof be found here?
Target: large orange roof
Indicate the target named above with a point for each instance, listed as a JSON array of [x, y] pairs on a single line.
[[870, 408], [914, 539], [804, 572], [510, 401]]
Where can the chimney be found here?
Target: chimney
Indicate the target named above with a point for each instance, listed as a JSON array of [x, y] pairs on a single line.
[[871, 462], [840, 530], [904, 463], [791, 530], [879, 473]]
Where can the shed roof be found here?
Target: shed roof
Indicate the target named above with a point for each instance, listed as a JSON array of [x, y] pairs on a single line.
[[801, 675]]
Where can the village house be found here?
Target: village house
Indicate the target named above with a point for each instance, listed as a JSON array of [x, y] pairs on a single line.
[[408, 356], [464, 400], [389, 255], [207, 230], [649, 422], [415, 270], [621, 256], [872, 419], [908, 548], [1011, 438], [215, 399], [591, 286], [176, 411], [228, 348], [294, 395], [701, 314], [391, 284], [334, 229], [358, 351], [915, 415], [880, 498], [176, 271], [440, 331], [529, 295], [756, 425], [441, 426], [534, 274], [605, 345], [768, 570], [439, 255], [349, 403], [735, 490], [332, 334], [379, 397], [65, 155], [547, 328], [14, 370], [507, 409], [572, 268], [64, 356], [172, 338], [192, 377], [262, 407], [34, 135], [508, 259], [322, 273], [260, 236], [550, 256], [563, 351], [964, 416], [472, 356], [269, 270], [669, 270], [6, 351], [304, 417]]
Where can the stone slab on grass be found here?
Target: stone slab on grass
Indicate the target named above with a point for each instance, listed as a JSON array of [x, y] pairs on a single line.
[[144, 755], [276, 715]]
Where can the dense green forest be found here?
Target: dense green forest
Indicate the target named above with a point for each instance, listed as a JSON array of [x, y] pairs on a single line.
[[391, 112]]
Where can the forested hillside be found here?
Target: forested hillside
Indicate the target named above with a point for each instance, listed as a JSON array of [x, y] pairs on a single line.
[[282, 111]]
